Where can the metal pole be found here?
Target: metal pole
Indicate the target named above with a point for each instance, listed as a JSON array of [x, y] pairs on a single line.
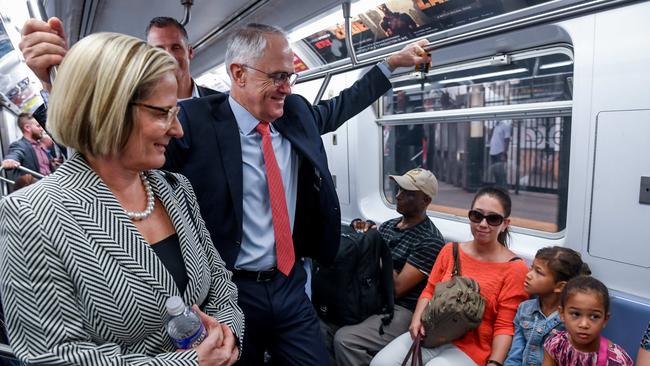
[[348, 32]]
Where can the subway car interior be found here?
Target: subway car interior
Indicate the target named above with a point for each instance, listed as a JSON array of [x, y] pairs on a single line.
[[566, 78]]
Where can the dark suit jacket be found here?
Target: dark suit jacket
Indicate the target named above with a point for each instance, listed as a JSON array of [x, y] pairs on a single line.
[[210, 155], [22, 151], [204, 92]]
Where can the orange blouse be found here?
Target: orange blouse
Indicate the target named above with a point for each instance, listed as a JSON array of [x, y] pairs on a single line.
[[502, 287]]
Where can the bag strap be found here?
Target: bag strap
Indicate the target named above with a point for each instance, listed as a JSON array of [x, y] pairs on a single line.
[[456, 271], [387, 278], [414, 351], [602, 352]]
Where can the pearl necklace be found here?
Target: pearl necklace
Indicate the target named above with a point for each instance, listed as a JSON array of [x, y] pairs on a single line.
[[137, 216]]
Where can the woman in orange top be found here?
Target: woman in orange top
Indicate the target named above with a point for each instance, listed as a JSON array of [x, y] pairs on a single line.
[[500, 274]]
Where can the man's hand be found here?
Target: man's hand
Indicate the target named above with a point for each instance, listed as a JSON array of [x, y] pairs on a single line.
[[10, 164], [43, 45], [411, 55]]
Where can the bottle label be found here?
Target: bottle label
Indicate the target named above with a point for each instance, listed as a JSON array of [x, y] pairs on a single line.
[[191, 341]]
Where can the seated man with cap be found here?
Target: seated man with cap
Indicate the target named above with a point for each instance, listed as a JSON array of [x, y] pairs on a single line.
[[414, 242]]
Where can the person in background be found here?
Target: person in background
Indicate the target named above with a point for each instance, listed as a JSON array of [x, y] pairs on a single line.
[[54, 152], [414, 242], [90, 254], [27, 151], [584, 309], [500, 275], [167, 33], [643, 358], [539, 318], [499, 144]]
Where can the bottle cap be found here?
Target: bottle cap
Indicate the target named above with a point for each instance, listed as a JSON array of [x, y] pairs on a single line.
[[175, 305]]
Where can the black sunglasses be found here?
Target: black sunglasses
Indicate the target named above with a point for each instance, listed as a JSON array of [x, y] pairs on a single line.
[[492, 219]]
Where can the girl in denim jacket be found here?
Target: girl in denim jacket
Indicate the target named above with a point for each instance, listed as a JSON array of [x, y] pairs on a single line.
[[539, 317]]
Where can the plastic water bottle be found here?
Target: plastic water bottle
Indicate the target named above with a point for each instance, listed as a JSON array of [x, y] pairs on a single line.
[[184, 325]]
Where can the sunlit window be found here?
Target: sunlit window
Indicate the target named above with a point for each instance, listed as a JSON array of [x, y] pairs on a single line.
[[523, 146]]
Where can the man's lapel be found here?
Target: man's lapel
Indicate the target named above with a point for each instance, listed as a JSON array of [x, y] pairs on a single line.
[[229, 146]]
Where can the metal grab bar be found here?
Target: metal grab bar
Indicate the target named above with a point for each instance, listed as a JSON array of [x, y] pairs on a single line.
[[26, 170], [348, 32], [188, 14]]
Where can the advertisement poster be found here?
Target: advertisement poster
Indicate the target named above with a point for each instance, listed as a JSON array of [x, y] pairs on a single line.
[[15, 82], [299, 64], [398, 20]]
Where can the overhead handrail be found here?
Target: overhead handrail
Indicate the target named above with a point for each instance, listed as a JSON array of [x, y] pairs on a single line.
[[229, 23], [348, 32], [371, 57], [188, 11]]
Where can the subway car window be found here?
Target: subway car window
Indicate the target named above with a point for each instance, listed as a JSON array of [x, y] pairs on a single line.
[[528, 156], [308, 89], [499, 81]]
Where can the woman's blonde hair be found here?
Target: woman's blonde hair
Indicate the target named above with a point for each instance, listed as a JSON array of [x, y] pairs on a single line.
[[99, 77]]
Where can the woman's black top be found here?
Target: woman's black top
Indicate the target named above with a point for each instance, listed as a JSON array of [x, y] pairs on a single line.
[[168, 251]]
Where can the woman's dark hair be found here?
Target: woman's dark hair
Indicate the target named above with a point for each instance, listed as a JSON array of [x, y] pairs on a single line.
[[585, 284], [504, 199], [564, 263]]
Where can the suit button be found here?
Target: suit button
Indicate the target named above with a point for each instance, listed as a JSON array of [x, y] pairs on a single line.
[[237, 243]]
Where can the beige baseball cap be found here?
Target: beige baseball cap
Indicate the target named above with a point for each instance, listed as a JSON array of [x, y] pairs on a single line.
[[418, 180]]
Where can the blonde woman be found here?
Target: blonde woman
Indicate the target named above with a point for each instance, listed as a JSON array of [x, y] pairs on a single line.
[[90, 254]]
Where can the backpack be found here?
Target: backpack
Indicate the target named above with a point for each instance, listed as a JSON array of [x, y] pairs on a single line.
[[358, 284], [455, 308]]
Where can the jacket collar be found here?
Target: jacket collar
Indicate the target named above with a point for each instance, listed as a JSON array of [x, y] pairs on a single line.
[[105, 223]]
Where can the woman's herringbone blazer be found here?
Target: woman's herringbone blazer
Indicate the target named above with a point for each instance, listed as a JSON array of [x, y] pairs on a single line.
[[79, 283]]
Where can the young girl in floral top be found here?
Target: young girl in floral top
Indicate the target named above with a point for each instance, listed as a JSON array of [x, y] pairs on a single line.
[[584, 309]]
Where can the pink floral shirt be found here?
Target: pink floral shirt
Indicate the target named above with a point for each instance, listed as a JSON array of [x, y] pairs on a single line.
[[563, 353]]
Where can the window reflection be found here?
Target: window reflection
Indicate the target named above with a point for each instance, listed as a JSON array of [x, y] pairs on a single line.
[[529, 157], [530, 80]]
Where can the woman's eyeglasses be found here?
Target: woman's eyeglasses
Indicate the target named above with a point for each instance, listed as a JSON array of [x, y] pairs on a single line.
[[171, 112], [492, 219]]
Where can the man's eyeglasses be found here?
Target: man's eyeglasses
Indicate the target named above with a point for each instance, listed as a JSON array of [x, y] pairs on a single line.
[[279, 78], [492, 219], [170, 112]]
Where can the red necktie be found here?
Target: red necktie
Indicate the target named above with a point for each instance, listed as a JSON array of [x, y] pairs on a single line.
[[281, 225]]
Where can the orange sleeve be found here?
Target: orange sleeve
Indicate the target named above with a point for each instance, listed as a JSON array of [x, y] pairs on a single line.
[[438, 271], [511, 295]]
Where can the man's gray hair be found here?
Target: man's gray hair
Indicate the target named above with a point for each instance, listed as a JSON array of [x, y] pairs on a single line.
[[248, 43]]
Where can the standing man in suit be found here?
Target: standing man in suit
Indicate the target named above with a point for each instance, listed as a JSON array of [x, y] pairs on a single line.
[[257, 163], [167, 33], [27, 151]]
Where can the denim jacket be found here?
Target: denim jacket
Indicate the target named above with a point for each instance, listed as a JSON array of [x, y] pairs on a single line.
[[531, 330]]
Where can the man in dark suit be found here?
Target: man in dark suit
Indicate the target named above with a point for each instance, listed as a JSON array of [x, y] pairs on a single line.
[[27, 151], [226, 157]]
